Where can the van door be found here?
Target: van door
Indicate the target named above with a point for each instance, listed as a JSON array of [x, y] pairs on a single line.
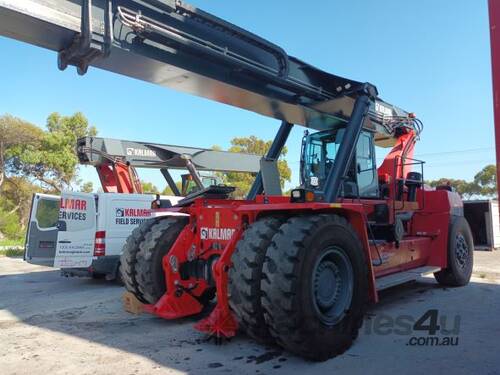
[[77, 227], [40, 247]]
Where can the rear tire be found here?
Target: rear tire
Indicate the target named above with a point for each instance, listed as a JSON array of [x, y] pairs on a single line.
[[155, 245], [246, 274], [460, 255], [315, 286], [128, 258]]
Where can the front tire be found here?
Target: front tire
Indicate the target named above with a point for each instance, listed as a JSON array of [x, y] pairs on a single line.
[[315, 286], [460, 255], [128, 258], [246, 274], [155, 245]]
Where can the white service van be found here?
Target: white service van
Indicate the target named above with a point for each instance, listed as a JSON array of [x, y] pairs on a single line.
[[84, 233]]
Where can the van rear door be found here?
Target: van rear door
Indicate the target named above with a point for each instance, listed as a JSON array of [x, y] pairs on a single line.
[[41, 238], [77, 227]]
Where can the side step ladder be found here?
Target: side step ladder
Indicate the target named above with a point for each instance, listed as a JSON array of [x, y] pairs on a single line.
[[399, 278]]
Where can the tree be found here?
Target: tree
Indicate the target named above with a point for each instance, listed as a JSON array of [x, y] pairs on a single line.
[[16, 137], [36, 160], [15, 198], [464, 188], [87, 187], [486, 181], [149, 188], [9, 225], [484, 184], [53, 162], [168, 191], [253, 145]]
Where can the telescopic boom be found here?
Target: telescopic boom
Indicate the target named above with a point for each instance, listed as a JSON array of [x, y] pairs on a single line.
[[173, 44]]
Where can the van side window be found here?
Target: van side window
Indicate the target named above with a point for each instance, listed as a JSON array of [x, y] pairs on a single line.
[[47, 213]]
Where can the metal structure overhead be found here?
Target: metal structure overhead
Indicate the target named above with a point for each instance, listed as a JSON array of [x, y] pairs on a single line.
[[116, 161], [96, 150], [172, 44]]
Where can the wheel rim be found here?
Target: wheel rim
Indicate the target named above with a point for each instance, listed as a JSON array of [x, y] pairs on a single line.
[[461, 250], [332, 284]]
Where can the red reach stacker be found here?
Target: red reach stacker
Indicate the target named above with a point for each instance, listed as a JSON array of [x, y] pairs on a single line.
[[296, 270]]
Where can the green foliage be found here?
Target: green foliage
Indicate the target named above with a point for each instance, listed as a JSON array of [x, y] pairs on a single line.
[[486, 181], [16, 137], [53, 161], [253, 145], [72, 127], [11, 242], [87, 187], [464, 188], [12, 247], [33, 160], [483, 185], [168, 191], [12, 252], [149, 188], [9, 225], [15, 197]]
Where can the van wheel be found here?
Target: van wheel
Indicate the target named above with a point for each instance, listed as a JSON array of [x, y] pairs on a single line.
[[155, 245], [315, 286], [460, 255], [128, 258]]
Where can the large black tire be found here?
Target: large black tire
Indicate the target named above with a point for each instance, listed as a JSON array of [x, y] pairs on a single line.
[[460, 255], [156, 244], [128, 258], [290, 291], [246, 274]]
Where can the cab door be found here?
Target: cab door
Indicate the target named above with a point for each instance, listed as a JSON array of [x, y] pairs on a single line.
[[41, 237], [366, 167]]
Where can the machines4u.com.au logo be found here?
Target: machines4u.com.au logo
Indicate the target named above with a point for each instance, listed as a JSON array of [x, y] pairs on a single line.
[[430, 329]]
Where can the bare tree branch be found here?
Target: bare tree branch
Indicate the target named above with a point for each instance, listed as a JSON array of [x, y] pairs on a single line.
[[51, 183]]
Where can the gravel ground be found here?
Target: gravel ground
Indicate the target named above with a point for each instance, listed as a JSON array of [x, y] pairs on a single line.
[[51, 325]]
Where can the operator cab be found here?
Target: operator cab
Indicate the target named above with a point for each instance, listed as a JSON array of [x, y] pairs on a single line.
[[318, 156], [189, 186]]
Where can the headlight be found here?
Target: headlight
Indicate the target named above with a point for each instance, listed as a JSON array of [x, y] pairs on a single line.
[[298, 196], [301, 196]]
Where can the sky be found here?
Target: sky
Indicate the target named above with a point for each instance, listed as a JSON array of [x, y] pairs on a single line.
[[431, 57]]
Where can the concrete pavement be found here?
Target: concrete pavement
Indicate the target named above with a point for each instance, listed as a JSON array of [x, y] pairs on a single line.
[[53, 325]]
